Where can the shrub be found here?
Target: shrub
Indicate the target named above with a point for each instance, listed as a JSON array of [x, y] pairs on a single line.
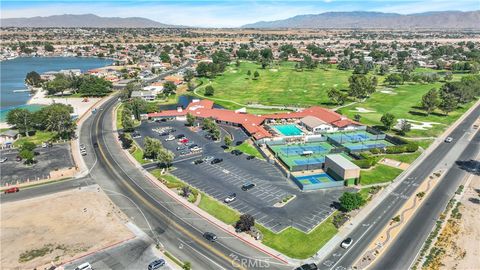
[[340, 219]]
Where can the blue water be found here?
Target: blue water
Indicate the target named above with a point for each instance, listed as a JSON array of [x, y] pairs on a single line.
[[13, 74], [288, 130]]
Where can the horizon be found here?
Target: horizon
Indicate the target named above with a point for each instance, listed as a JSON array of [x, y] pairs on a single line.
[[222, 14]]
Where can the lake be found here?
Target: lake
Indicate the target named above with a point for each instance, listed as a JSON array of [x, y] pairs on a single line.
[[13, 74]]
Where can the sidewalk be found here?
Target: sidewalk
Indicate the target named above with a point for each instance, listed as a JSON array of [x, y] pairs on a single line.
[[359, 218]]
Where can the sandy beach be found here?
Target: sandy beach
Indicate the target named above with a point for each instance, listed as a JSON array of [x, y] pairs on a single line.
[[80, 105]]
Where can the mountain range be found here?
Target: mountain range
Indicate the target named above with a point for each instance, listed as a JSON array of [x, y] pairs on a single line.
[[84, 20], [365, 19], [355, 19]]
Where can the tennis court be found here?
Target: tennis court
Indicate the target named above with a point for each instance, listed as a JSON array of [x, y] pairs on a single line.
[[363, 146], [355, 136], [316, 181], [297, 150]]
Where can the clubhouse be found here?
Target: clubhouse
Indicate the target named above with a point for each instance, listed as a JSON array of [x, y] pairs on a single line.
[[313, 120]]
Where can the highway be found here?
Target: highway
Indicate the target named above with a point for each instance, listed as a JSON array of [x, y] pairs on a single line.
[[442, 157], [409, 242], [177, 228]]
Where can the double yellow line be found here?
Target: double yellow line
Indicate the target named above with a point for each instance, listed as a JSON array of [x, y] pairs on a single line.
[[156, 210]]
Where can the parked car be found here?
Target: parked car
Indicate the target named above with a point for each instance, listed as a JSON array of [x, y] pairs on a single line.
[[346, 243], [250, 157], [224, 147], [44, 145], [12, 190], [208, 158], [183, 140], [83, 152], [248, 186], [307, 266], [216, 160], [84, 266], [238, 143], [180, 148], [210, 236], [196, 149], [163, 134], [170, 138], [192, 146], [236, 152], [230, 198], [198, 161], [136, 134], [449, 140], [180, 136], [184, 152], [2, 160], [82, 146], [156, 264]]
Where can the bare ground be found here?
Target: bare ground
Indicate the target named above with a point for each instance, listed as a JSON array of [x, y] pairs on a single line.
[[58, 227], [465, 252]]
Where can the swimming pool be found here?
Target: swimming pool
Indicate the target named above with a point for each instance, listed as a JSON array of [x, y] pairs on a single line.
[[288, 130]]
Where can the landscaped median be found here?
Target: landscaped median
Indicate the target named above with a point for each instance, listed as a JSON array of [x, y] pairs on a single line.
[[249, 149]]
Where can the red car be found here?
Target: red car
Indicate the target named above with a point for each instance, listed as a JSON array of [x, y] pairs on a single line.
[[184, 140], [12, 190]]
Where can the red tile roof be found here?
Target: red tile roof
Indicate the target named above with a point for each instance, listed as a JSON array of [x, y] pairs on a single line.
[[253, 123]]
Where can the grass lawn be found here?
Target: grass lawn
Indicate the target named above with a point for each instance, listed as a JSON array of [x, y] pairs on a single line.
[[297, 244], [279, 84], [379, 174], [119, 116], [405, 104], [218, 210], [38, 138], [137, 153], [407, 157], [248, 149]]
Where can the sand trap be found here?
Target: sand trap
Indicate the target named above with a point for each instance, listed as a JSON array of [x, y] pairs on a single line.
[[417, 125], [361, 110], [388, 92]]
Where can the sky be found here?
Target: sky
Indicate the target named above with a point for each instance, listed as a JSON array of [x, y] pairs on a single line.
[[222, 13]]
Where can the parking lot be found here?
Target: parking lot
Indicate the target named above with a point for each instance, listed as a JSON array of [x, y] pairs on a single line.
[[219, 180], [49, 159]]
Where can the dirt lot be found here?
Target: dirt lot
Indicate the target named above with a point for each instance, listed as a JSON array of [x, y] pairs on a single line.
[[465, 253], [58, 227]]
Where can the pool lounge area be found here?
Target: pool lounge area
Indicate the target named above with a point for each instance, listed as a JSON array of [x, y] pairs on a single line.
[[288, 130]]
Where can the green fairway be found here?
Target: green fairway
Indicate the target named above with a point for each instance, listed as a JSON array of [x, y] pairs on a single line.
[[404, 102], [277, 85]]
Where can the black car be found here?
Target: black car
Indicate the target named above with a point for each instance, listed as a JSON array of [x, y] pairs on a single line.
[[224, 147], [217, 160], [180, 136], [198, 161], [250, 157], [236, 152], [192, 146], [163, 134], [156, 264], [238, 143], [307, 266], [210, 236], [248, 186]]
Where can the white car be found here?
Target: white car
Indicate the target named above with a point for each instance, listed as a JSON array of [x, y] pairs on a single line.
[[170, 138], [83, 152], [84, 266], [346, 243], [208, 158], [449, 140], [2, 160], [196, 149]]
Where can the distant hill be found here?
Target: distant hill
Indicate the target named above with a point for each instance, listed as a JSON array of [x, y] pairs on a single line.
[[85, 20], [365, 19]]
